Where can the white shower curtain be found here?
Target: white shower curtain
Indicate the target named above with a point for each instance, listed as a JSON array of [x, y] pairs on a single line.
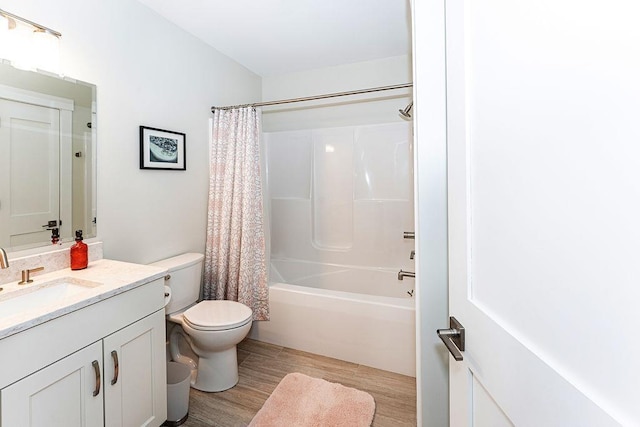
[[235, 263]]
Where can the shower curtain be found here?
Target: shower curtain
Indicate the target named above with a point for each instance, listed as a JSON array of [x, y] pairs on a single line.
[[235, 263]]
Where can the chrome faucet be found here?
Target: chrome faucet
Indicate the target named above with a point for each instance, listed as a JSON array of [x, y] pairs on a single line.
[[4, 260], [402, 274]]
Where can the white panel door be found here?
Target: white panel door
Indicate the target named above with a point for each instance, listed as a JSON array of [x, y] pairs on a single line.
[[135, 374], [543, 102], [67, 393], [30, 164]]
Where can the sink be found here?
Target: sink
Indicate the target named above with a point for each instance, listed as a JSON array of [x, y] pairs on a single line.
[[36, 295]]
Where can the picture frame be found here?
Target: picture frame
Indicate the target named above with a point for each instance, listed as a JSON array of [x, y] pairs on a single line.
[[162, 149]]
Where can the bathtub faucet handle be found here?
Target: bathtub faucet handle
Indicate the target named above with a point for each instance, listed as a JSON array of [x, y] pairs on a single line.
[[402, 274]]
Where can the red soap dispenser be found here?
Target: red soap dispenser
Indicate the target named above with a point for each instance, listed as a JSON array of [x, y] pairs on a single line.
[[79, 253]]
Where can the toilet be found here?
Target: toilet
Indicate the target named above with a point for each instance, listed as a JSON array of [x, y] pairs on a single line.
[[211, 328]]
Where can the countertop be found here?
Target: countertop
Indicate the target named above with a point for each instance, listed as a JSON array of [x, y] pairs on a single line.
[[114, 278]]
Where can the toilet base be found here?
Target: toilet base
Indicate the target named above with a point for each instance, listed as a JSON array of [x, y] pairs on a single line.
[[217, 367], [217, 372]]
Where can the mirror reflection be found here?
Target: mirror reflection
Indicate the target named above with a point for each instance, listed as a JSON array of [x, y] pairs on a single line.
[[47, 158]]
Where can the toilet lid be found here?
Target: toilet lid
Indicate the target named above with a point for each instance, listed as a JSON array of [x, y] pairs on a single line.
[[217, 315]]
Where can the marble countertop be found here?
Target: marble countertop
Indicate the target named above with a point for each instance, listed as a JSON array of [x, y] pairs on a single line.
[[113, 277]]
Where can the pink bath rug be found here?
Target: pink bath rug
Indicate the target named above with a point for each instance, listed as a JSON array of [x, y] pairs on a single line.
[[302, 401]]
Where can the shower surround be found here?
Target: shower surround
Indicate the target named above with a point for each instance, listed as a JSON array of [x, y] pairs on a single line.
[[342, 195], [339, 201]]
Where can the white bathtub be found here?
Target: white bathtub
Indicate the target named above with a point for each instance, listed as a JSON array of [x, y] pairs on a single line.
[[337, 314]]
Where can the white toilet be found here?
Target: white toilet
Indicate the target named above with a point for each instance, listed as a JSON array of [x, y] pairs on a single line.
[[212, 328]]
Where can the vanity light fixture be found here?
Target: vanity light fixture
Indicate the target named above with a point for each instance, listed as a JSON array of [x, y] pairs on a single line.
[[28, 45]]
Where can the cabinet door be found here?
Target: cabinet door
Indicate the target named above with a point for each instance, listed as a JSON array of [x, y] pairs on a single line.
[[60, 395], [135, 374]]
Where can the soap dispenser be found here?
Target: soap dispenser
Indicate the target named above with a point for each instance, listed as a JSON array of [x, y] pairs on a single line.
[[79, 253]]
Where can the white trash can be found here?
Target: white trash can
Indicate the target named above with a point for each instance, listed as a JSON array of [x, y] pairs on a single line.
[[178, 385]]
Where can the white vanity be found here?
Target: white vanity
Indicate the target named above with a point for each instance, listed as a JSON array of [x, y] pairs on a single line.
[[84, 348]]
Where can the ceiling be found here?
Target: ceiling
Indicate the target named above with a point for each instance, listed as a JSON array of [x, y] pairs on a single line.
[[272, 37]]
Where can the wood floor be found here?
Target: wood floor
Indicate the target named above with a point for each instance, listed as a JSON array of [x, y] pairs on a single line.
[[262, 366]]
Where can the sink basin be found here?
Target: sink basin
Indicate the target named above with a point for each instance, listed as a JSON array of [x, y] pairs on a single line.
[[36, 295]]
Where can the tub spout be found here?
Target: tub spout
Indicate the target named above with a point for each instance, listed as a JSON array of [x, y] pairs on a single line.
[[402, 274]]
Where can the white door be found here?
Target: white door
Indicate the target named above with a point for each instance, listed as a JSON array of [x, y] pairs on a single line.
[[543, 107], [30, 165], [135, 374], [67, 393]]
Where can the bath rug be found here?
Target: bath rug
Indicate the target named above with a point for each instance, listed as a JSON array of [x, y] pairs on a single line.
[[302, 401]]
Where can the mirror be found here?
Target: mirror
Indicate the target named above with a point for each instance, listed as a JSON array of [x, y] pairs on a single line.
[[47, 158]]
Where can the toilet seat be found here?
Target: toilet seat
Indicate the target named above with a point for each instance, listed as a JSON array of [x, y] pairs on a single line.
[[218, 315]]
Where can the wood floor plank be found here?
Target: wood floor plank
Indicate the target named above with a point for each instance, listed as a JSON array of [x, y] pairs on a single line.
[[217, 411], [262, 366], [258, 347], [329, 364], [264, 373], [242, 354]]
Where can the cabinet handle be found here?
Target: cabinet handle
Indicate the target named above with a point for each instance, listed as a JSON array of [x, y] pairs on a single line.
[[116, 367], [96, 369]]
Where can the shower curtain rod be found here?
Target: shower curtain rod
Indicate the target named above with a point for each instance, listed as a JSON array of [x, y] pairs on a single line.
[[312, 98]]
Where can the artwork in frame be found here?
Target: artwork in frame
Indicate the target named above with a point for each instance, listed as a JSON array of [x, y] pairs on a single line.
[[162, 149]]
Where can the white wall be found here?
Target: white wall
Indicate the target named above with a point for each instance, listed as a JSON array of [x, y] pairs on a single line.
[[148, 72]]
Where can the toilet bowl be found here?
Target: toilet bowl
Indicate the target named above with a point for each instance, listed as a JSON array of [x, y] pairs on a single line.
[[211, 328]]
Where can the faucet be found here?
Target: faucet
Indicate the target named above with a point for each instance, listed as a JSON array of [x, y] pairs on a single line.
[[4, 260], [402, 274], [26, 273]]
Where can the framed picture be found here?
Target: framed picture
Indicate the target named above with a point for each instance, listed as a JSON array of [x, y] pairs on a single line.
[[162, 149]]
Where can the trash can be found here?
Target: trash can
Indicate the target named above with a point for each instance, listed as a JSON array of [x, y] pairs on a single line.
[[178, 384]]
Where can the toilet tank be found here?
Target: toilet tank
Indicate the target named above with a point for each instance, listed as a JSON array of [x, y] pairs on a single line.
[[185, 276]]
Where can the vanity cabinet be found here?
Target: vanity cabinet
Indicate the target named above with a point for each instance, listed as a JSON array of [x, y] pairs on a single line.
[[135, 374], [112, 373], [59, 395]]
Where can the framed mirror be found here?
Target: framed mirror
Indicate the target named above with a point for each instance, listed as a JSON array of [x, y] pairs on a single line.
[[47, 158]]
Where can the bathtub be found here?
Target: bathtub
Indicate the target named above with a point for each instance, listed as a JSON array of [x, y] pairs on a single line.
[[360, 315]]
